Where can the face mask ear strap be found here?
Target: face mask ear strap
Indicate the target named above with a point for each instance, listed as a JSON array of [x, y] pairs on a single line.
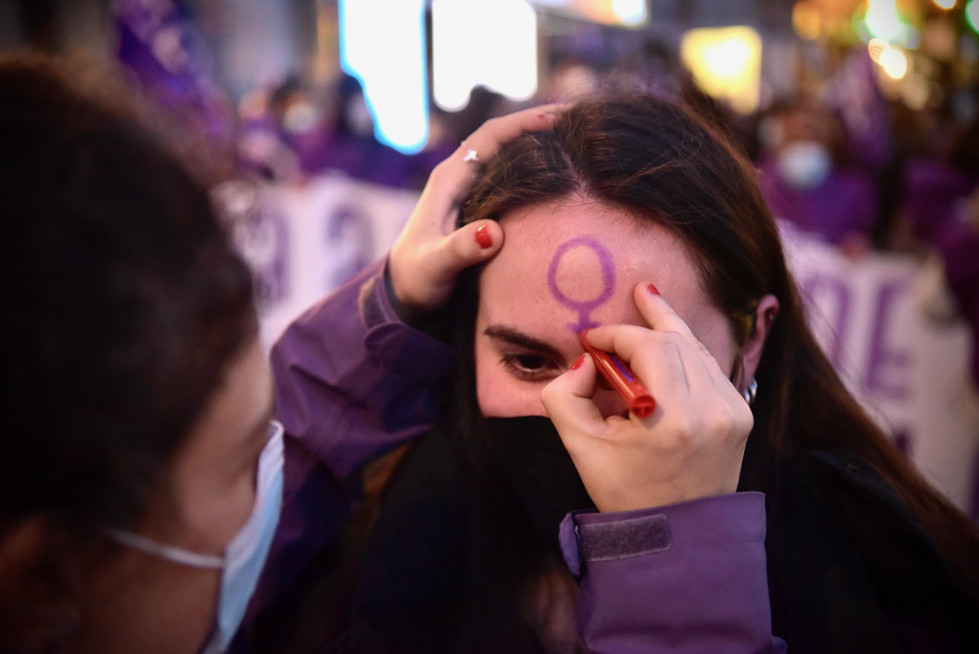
[[167, 552]]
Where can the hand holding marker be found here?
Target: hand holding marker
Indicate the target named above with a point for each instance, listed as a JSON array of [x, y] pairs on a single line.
[[621, 378]]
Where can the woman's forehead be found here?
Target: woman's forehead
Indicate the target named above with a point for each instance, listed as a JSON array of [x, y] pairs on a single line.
[[578, 262], [584, 238]]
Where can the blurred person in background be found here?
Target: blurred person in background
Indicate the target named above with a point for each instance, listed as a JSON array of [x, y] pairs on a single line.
[[165, 55], [261, 149], [294, 132], [807, 177], [940, 169]]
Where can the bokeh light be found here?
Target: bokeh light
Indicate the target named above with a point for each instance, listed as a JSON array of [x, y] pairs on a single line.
[[807, 21], [726, 62], [883, 20], [894, 62], [630, 12], [972, 14], [382, 43], [493, 44]]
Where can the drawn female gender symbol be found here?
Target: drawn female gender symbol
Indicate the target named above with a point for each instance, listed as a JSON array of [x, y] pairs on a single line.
[[583, 307]]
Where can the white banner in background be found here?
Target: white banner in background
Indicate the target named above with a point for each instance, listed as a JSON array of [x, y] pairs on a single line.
[[909, 367], [304, 241], [910, 370]]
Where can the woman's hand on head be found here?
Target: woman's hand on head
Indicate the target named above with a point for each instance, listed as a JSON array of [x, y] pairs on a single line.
[[430, 252], [691, 446]]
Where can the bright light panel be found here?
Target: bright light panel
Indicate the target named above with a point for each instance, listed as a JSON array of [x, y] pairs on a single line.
[[382, 42], [883, 20], [475, 42], [726, 62], [972, 14], [630, 12]]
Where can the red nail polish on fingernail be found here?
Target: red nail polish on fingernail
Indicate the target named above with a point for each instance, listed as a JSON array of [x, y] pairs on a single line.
[[577, 364], [652, 289], [483, 238]]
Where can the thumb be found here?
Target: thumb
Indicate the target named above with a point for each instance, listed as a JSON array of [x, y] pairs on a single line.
[[568, 402], [467, 246], [428, 278]]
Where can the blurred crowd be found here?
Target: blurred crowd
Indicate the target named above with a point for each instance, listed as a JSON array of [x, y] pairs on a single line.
[[838, 159], [895, 181]]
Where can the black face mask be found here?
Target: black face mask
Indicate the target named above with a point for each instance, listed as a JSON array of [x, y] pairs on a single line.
[[536, 467], [467, 521]]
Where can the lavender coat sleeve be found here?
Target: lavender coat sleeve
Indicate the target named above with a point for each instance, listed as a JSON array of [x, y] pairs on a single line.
[[352, 380], [688, 577]]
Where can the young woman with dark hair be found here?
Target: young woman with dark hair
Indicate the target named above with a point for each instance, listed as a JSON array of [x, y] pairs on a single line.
[[635, 219]]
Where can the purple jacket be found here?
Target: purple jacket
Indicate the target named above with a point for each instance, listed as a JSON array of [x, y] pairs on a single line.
[[844, 203], [353, 382]]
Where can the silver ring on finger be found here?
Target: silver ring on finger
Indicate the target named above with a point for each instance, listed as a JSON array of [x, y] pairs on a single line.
[[471, 155]]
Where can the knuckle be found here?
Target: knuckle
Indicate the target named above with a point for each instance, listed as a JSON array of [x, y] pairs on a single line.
[[684, 427], [719, 419], [733, 419]]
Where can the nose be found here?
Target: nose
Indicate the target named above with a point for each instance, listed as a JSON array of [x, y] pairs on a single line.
[[609, 403]]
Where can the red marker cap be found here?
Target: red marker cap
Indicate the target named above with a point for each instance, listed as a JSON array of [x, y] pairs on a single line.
[[621, 378]]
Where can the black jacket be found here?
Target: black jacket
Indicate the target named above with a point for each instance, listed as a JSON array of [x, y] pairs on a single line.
[[851, 569]]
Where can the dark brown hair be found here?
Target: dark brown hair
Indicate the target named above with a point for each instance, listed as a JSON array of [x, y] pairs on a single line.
[[122, 302]]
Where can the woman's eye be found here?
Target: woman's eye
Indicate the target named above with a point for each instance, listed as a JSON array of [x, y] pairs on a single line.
[[530, 367]]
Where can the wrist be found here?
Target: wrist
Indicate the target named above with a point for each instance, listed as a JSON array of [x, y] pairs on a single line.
[[408, 314]]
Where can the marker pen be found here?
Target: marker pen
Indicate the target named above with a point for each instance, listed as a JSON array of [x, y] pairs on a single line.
[[621, 378]]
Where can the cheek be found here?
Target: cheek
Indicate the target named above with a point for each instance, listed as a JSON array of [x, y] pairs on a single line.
[[500, 395]]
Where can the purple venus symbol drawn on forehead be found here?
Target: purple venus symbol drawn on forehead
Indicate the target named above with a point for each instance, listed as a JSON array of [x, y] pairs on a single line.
[[583, 307]]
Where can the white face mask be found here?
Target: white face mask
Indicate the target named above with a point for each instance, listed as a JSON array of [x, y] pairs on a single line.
[[245, 555], [804, 164]]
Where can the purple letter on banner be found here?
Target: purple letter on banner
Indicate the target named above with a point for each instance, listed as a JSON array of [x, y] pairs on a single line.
[[887, 368], [822, 283]]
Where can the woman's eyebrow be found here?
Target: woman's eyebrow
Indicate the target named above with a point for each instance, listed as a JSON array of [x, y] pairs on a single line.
[[517, 337]]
